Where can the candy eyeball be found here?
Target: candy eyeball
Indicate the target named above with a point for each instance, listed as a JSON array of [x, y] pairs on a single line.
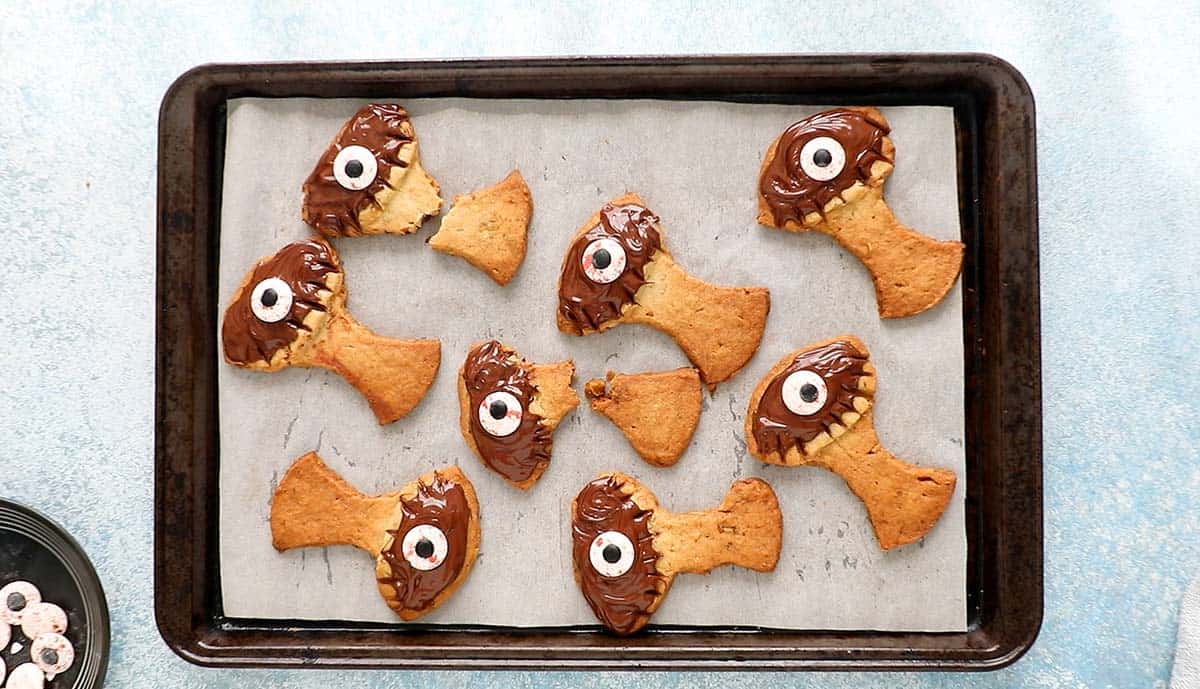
[[611, 554], [822, 158], [271, 300], [43, 618], [15, 598], [804, 393], [26, 676], [355, 168], [603, 260], [500, 413], [424, 547], [52, 653], [5, 637]]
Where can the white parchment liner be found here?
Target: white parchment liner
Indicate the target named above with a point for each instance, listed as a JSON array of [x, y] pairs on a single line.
[[696, 165]]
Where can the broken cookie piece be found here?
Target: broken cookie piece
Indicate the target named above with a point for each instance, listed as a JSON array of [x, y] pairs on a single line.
[[509, 408], [487, 228], [657, 411], [370, 180]]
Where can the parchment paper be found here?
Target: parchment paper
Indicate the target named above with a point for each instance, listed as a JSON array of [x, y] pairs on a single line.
[[696, 165]]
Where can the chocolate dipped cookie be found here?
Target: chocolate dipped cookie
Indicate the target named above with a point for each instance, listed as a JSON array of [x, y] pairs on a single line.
[[814, 407], [290, 310], [826, 173], [617, 270], [423, 537]]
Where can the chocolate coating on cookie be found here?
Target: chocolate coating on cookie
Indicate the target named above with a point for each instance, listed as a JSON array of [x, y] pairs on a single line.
[[837, 366], [442, 504], [491, 367], [384, 130], [587, 303], [303, 268], [791, 192], [625, 602]]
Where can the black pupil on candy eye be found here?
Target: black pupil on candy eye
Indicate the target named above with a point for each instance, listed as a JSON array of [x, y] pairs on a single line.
[[424, 548], [822, 157], [16, 602], [498, 409], [49, 656], [354, 168], [601, 259], [808, 392], [269, 297], [611, 553]]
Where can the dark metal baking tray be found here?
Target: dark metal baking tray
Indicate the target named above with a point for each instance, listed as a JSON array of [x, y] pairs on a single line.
[[994, 116]]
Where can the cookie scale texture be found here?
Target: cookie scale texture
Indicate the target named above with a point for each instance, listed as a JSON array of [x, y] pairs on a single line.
[[617, 270], [627, 550], [423, 537], [826, 173], [814, 407], [290, 310]]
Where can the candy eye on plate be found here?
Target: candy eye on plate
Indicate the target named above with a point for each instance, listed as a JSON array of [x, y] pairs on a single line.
[[804, 393], [603, 260], [424, 547], [611, 554], [271, 300], [500, 413], [52, 653], [42, 618], [15, 598], [822, 158], [355, 168]]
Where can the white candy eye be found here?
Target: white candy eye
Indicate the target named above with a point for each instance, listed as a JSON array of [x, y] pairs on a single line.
[[355, 167], [611, 554], [500, 413], [43, 618], [52, 653], [271, 300], [603, 260], [26, 676], [5, 637], [804, 393], [424, 546], [15, 598], [822, 158]]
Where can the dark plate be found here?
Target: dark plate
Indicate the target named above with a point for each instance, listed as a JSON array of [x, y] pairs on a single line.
[[994, 118], [35, 549]]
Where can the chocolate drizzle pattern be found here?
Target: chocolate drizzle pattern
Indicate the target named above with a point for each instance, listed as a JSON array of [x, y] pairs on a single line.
[[776, 429], [329, 207], [304, 266], [790, 193], [623, 603], [492, 367], [586, 304], [443, 504]]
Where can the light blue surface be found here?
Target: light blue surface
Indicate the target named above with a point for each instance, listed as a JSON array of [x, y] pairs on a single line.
[[1116, 91]]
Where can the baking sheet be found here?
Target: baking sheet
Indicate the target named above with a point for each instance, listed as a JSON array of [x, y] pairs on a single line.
[[695, 164]]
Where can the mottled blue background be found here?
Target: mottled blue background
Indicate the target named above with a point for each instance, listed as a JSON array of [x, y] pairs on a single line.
[[1116, 90]]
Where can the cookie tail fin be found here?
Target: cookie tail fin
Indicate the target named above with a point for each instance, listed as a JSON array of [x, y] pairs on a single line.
[[903, 500], [718, 328], [911, 272], [393, 375], [746, 530], [313, 506]]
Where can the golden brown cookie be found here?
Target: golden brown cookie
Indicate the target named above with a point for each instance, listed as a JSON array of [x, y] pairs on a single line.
[[617, 270], [290, 310], [814, 407], [423, 537], [657, 411], [487, 227], [627, 550], [826, 173], [509, 408], [370, 180]]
